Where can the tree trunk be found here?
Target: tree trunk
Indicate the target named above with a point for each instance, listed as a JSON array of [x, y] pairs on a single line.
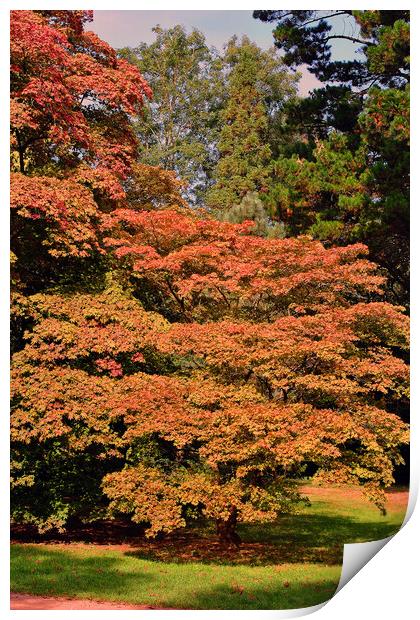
[[226, 529]]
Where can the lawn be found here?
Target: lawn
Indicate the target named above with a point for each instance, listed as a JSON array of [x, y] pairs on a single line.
[[295, 562]]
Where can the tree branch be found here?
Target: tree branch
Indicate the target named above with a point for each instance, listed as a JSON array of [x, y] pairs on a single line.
[[317, 19], [227, 302], [21, 152], [178, 299], [344, 36]]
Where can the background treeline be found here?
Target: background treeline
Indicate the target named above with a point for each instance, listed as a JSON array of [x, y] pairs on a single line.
[[334, 164]]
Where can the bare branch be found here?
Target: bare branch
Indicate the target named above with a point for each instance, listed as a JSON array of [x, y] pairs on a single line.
[[311, 21], [343, 36]]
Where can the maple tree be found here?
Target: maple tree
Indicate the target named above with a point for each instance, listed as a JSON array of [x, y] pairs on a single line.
[[72, 142], [210, 269], [73, 152], [269, 357]]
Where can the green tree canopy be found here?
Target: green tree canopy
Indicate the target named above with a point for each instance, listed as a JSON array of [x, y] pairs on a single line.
[[382, 36], [179, 127], [341, 168], [258, 86]]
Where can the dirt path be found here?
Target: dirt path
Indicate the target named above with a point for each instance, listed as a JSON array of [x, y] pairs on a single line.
[[29, 601]]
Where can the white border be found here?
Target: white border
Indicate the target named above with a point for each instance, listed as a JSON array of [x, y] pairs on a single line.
[[388, 586]]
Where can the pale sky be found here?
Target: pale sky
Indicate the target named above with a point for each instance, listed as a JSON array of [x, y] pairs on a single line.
[[129, 28]]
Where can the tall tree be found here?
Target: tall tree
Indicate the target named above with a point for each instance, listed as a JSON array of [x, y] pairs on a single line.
[[179, 127], [258, 85], [383, 37], [270, 357], [345, 175]]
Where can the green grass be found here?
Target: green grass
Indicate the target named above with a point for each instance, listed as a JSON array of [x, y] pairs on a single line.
[[295, 562], [112, 575], [336, 516]]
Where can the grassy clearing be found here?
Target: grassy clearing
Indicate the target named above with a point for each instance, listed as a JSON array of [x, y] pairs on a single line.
[[293, 563]]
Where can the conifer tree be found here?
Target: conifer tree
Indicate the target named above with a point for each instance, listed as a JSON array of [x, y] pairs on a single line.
[[343, 157], [257, 84], [251, 208]]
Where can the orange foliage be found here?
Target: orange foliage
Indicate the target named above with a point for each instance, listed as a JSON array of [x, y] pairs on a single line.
[[214, 267], [272, 377], [71, 102]]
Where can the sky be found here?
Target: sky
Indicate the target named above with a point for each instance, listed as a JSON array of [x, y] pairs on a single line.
[[129, 28]]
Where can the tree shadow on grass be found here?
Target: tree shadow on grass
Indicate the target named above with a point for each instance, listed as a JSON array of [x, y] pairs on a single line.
[[314, 538], [101, 532], [292, 539], [44, 571], [41, 570], [319, 530]]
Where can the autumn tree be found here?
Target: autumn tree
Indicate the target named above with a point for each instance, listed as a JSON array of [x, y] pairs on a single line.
[[258, 85], [179, 127], [279, 360], [73, 153], [269, 357], [70, 440], [72, 143]]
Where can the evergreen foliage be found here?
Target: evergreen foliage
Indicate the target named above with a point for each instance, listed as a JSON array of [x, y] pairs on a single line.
[[258, 85], [346, 169], [251, 208]]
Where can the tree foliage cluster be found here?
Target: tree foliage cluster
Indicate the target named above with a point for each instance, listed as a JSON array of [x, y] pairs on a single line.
[[334, 164], [345, 177], [174, 363]]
